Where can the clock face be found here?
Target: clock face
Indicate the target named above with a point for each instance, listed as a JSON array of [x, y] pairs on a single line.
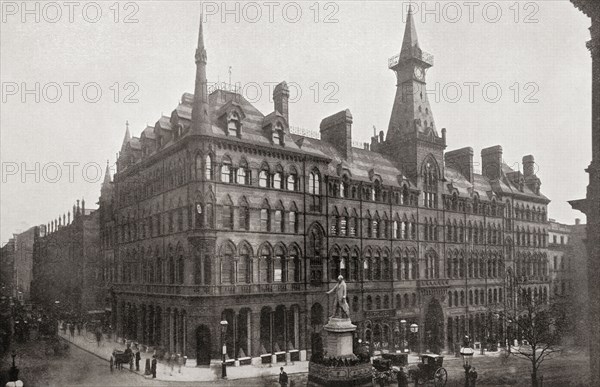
[[419, 73]]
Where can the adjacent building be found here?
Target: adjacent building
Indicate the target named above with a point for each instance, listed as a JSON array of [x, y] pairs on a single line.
[[7, 269], [561, 258], [67, 264], [220, 212], [591, 205], [17, 262]]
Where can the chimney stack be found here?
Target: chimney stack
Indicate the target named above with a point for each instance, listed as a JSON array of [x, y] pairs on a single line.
[[577, 221], [337, 131], [82, 206], [491, 160], [461, 160], [528, 166], [281, 96]]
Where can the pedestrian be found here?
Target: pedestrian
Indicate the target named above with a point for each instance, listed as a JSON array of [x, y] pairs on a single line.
[[172, 361], [283, 378], [180, 362], [72, 330], [138, 357], [98, 336], [153, 366], [112, 364]]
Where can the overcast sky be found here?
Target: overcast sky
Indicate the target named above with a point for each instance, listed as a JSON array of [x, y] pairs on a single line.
[[141, 56]]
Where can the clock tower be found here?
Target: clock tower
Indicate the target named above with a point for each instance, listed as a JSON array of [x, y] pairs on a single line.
[[412, 135]]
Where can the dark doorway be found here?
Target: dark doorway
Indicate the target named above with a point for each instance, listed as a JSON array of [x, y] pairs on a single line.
[[203, 345], [434, 327]]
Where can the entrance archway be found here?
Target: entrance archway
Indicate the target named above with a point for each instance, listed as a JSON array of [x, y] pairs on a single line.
[[434, 327], [203, 345]]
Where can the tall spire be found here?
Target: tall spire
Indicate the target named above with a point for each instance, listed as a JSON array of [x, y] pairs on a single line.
[[200, 118], [107, 178], [411, 111], [127, 137], [410, 36]]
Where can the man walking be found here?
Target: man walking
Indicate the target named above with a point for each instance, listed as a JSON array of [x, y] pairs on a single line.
[[138, 357], [153, 366], [283, 378]]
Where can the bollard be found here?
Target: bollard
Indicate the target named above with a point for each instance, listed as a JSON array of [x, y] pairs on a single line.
[[147, 370]]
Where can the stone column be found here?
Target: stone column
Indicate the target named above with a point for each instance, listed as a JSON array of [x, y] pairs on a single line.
[[254, 333], [171, 341]]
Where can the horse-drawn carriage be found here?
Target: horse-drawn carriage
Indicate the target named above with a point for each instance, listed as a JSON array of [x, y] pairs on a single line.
[[429, 370], [122, 357]]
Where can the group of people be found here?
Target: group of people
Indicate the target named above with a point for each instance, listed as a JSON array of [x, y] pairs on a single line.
[[133, 356]]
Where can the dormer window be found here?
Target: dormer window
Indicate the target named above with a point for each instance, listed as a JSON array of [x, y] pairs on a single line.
[[178, 131], [278, 134], [233, 124]]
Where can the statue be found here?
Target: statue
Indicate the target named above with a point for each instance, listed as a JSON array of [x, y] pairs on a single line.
[[341, 306]]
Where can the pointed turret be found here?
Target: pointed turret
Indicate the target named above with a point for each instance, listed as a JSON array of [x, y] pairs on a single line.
[[106, 188], [410, 36], [127, 137], [411, 111], [200, 118]]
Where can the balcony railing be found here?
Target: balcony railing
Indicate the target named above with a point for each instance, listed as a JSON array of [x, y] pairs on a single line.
[[415, 53], [210, 290]]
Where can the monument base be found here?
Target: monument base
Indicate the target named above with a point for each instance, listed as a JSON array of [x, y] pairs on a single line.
[[338, 366]]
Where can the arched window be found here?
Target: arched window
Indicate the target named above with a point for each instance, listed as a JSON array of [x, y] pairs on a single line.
[[244, 214], [367, 266], [227, 216], [208, 167], [233, 124], [278, 178], [226, 171], [377, 266], [293, 220], [279, 221], [430, 180], [279, 265], [227, 265], [244, 268], [243, 173], [295, 268], [314, 183], [354, 267], [265, 218], [278, 134], [292, 180], [265, 265], [263, 179]]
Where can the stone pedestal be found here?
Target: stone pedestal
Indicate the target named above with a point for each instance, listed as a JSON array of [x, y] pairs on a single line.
[[339, 337], [339, 367]]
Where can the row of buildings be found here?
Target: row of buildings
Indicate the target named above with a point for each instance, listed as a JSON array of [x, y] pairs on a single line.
[[220, 212]]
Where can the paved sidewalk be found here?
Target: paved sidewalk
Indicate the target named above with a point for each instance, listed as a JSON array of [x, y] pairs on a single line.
[[87, 342]]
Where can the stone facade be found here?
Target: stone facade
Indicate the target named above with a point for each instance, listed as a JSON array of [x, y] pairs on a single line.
[[220, 212], [591, 205], [7, 269], [66, 263]]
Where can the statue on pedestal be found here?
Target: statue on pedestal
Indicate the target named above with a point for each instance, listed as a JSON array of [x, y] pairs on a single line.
[[341, 309]]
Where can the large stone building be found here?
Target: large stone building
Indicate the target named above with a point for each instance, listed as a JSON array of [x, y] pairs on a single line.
[[66, 262], [16, 266], [561, 258], [591, 205], [7, 268], [219, 212]]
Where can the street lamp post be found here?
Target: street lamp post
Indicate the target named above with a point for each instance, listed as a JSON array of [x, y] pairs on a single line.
[[414, 328], [13, 372], [402, 334], [467, 355], [224, 324]]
